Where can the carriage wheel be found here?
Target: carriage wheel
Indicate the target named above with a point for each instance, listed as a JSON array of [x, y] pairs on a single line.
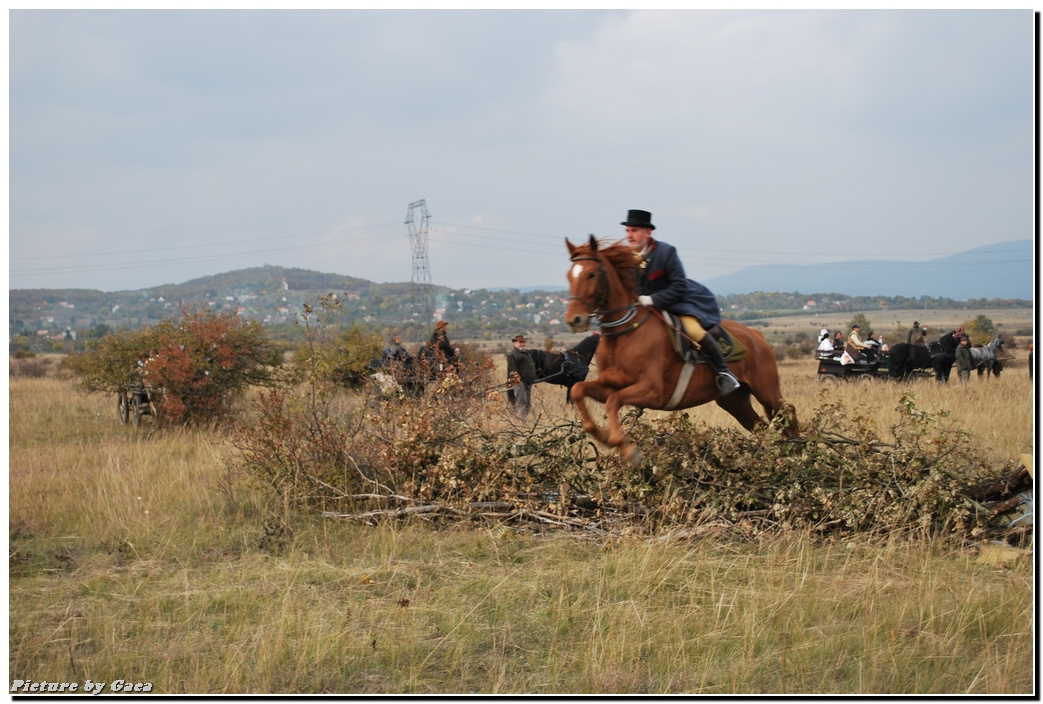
[[135, 410], [827, 379], [122, 411], [865, 378]]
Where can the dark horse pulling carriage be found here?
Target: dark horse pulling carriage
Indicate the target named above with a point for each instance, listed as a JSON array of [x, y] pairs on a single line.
[[565, 368], [940, 355]]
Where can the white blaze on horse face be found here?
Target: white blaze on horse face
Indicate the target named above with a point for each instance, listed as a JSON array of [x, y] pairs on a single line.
[[576, 269]]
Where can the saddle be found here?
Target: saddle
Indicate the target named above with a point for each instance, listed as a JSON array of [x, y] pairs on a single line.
[[732, 349]]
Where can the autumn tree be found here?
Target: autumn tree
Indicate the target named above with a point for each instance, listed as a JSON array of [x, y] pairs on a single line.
[[195, 365]]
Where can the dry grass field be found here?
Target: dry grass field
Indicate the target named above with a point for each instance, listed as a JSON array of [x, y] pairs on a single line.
[[141, 556]]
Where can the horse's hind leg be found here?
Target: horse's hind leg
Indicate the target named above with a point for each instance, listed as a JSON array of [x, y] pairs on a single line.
[[578, 393], [774, 406], [737, 403]]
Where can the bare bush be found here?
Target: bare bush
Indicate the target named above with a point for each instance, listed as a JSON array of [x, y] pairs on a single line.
[[29, 368]]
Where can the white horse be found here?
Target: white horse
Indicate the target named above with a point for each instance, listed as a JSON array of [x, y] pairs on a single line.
[[984, 358]]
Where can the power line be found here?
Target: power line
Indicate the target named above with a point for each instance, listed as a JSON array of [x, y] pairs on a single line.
[[560, 238], [534, 243], [149, 250]]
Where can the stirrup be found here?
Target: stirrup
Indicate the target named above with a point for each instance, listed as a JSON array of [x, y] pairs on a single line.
[[727, 382]]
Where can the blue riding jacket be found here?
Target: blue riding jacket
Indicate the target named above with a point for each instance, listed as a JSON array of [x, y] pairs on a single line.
[[662, 277]]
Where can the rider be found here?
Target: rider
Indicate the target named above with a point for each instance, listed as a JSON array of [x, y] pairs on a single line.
[[395, 351], [916, 334], [439, 345], [662, 284]]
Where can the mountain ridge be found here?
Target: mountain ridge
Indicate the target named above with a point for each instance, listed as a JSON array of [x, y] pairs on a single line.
[[1001, 270]]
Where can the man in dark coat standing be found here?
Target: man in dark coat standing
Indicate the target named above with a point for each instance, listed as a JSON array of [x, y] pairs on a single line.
[[964, 362], [662, 284], [439, 352], [521, 375]]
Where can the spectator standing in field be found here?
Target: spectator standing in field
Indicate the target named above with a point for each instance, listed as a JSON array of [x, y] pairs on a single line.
[[964, 363], [521, 375]]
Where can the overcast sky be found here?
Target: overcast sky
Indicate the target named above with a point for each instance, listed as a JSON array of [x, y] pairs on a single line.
[[151, 147]]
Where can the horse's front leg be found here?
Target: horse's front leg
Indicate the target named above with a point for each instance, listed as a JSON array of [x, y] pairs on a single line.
[[642, 395]]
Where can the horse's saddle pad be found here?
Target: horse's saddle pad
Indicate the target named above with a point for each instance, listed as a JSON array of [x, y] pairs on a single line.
[[731, 348]]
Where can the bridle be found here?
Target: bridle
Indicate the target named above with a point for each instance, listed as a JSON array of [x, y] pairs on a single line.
[[597, 306]]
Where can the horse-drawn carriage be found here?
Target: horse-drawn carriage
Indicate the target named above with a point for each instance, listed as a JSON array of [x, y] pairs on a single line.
[[830, 369], [134, 401]]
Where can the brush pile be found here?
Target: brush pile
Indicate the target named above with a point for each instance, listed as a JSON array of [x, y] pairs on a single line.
[[439, 457]]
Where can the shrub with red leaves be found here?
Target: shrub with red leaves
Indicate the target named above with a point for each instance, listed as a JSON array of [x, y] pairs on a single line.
[[194, 366]]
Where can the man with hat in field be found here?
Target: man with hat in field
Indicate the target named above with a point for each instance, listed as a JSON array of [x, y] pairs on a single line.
[[521, 375], [964, 361], [916, 334], [662, 284], [439, 350]]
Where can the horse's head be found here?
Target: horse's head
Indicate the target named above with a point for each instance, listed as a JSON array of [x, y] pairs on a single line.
[[601, 280], [588, 285]]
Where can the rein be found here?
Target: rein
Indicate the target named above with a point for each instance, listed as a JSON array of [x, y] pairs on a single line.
[[597, 311]]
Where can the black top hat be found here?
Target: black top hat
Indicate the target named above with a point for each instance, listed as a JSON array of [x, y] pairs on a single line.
[[639, 218]]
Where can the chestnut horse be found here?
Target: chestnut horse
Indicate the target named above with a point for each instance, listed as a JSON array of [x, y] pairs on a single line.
[[637, 364]]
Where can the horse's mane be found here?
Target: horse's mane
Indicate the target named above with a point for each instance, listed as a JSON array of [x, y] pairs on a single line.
[[620, 257]]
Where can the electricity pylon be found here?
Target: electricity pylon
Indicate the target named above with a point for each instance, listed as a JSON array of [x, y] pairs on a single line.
[[423, 298]]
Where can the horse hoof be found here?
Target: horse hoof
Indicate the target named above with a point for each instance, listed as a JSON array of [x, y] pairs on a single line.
[[635, 458]]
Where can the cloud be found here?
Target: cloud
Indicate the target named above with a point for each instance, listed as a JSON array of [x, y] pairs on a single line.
[[275, 136]]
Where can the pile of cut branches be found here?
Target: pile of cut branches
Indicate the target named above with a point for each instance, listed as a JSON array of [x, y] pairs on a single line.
[[438, 457]]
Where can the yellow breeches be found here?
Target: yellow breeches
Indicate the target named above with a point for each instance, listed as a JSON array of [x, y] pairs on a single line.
[[692, 328]]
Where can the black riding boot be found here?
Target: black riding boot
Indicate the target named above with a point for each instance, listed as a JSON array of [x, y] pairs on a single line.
[[726, 381]]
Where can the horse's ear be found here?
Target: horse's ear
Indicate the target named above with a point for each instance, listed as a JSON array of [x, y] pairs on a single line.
[[572, 247], [593, 243]]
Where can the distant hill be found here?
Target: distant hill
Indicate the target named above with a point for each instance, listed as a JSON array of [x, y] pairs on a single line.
[[1001, 270], [44, 319]]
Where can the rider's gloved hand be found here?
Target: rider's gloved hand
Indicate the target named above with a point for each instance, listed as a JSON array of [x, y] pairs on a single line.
[[645, 301]]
